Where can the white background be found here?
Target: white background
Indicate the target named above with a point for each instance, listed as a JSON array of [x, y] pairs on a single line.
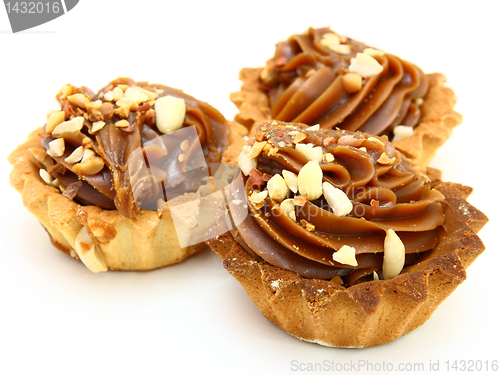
[[57, 317]]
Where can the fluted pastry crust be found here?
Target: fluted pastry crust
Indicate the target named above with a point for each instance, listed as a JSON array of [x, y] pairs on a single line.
[[369, 313]]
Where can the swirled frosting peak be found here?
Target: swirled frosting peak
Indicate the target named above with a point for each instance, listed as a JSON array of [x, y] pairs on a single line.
[[335, 204], [320, 77]]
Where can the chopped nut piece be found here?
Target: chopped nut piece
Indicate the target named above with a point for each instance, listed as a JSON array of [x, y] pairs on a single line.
[[258, 199], [96, 126], [256, 150], [90, 164], [373, 52], [394, 255], [46, 176], [329, 141], [374, 205], [328, 158], [309, 180], [309, 227], [110, 95], [122, 124], [88, 252], [55, 118], [384, 159], [376, 140], [299, 138], [288, 207], [313, 128], [278, 190], [341, 49], [339, 202], [310, 152], [256, 179], [365, 65], [300, 200], [332, 38], [350, 140], [346, 255], [80, 100], [170, 113], [72, 126], [291, 180], [139, 95], [75, 156], [352, 82], [246, 165], [117, 94], [56, 148], [401, 132]]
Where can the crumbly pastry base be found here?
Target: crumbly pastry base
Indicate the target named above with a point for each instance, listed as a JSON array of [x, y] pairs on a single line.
[[370, 313], [146, 243], [435, 127]]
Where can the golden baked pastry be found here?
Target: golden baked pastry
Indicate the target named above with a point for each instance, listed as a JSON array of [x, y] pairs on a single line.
[[347, 243], [83, 175], [320, 77]]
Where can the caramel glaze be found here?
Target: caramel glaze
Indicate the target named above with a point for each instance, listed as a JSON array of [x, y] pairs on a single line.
[[405, 201], [122, 149], [304, 84]]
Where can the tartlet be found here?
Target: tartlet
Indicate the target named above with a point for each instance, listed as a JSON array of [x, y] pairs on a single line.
[[320, 77], [347, 243], [83, 175]]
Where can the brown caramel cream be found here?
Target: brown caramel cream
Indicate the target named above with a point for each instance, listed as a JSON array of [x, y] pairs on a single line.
[[322, 78], [385, 190], [115, 128]]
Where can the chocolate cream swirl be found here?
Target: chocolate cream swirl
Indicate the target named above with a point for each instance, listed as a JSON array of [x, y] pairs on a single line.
[[312, 79], [120, 129], [386, 190]]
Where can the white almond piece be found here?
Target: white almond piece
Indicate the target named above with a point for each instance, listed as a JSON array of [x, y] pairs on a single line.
[[56, 148], [96, 126], [373, 52], [110, 95], [337, 199], [75, 156], [170, 113], [309, 180], [365, 65], [394, 255], [246, 165], [46, 176], [342, 49], [72, 126], [54, 119], [328, 157], [332, 38], [117, 93], [257, 199], [313, 128], [79, 100], [288, 207], [402, 131], [310, 152], [346, 255], [88, 252], [291, 180], [138, 94], [277, 187]]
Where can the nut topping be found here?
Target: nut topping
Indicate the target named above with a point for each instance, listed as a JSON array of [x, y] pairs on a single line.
[[337, 200], [96, 126], [79, 100], [170, 113], [55, 118], [56, 148], [72, 126], [394, 255], [277, 187], [291, 180], [288, 207], [365, 65], [75, 156], [401, 132], [385, 160], [244, 163], [87, 251], [90, 164], [352, 82], [309, 180], [258, 199], [46, 176], [310, 152], [346, 255]]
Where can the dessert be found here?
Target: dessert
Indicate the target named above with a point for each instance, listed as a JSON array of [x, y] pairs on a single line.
[[347, 243], [98, 173], [320, 77]]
